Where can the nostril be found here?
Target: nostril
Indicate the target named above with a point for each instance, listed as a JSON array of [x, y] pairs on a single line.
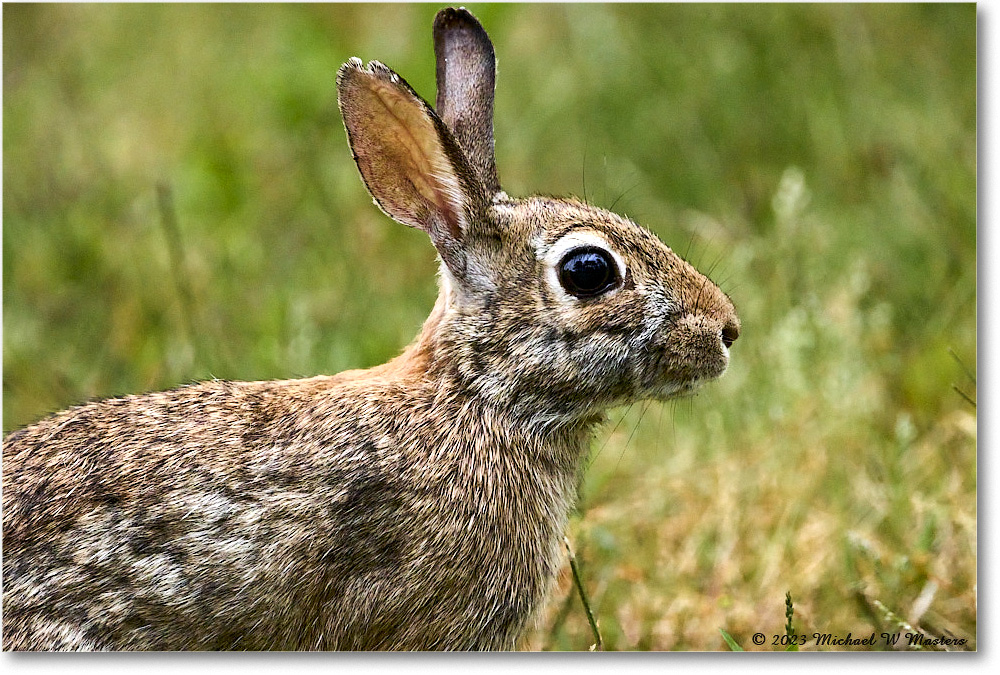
[[730, 332]]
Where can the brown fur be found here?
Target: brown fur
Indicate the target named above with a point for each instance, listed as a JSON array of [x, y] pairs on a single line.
[[416, 505]]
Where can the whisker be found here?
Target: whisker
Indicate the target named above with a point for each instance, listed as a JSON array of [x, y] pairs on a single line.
[[687, 251], [634, 186], [708, 244], [612, 433], [634, 429], [711, 268]]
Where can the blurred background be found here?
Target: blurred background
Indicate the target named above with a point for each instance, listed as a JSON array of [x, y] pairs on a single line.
[[179, 203]]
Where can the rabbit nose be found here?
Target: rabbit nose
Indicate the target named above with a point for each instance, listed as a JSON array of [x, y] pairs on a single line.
[[730, 332]]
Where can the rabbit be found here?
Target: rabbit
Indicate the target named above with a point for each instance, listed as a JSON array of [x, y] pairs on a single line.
[[418, 505]]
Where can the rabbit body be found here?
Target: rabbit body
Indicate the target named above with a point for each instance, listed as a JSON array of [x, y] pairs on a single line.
[[416, 505], [330, 513]]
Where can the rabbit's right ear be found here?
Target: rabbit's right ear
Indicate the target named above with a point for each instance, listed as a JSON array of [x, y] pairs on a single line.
[[408, 158]]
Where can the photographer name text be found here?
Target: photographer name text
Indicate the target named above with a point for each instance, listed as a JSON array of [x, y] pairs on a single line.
[[911, 640]]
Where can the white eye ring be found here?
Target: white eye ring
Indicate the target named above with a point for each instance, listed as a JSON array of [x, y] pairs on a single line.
[[573, 240]]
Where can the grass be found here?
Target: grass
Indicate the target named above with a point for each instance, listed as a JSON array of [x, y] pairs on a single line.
[[180, 203]]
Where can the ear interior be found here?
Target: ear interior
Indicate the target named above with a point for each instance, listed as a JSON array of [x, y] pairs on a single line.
[[407, 159]]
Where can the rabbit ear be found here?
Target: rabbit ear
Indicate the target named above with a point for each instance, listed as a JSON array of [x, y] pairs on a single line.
[[408, 159], [466, 75]]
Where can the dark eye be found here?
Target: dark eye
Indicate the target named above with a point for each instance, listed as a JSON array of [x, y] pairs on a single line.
[[586, 272]]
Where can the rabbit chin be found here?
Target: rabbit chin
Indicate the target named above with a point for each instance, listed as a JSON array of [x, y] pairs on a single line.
[[681, 388], [674, 390]]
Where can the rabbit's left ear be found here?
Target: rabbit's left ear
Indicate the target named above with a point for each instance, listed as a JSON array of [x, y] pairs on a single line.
[[408, 159], [466, 79]]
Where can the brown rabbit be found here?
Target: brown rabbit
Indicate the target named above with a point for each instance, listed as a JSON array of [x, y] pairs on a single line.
[[416, 505]]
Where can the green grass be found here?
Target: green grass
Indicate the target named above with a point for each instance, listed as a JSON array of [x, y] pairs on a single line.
[[819, 161]]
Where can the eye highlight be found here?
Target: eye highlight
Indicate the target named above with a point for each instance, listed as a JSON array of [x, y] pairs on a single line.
[[587, 271]]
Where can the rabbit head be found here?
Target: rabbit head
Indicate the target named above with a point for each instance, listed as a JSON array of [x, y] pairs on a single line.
[[551, 308]]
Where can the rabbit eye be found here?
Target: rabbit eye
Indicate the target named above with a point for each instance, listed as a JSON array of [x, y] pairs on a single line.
[[586, 272]]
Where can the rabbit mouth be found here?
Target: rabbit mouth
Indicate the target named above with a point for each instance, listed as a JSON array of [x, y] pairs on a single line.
[[686, 361]]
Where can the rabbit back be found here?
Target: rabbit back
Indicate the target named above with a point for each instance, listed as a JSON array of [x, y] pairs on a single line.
[[278, 515]]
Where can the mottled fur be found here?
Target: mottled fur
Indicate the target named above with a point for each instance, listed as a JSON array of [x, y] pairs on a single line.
[[416, 505]]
